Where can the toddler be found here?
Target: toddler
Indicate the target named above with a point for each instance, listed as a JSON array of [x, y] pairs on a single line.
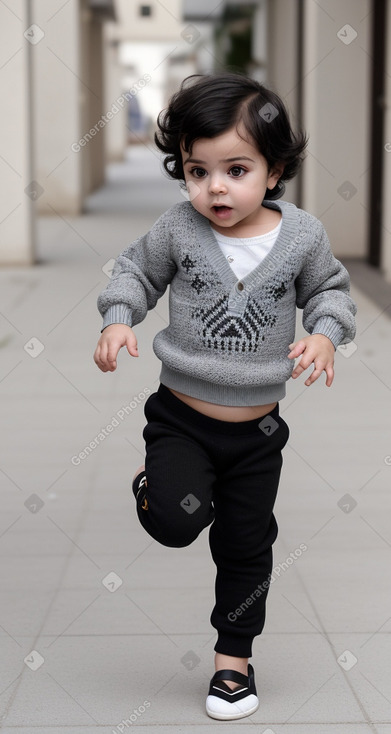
[[238, 261]]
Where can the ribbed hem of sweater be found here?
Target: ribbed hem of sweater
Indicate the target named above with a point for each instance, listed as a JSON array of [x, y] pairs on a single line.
[[119, 313], [239, 395], [328, 326]]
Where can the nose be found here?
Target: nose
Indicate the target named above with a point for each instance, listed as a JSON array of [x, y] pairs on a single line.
[[217, 184]]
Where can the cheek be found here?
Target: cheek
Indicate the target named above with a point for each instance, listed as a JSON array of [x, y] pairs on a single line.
[[246, 194], [196, 194], [192, 186], [196, 188]]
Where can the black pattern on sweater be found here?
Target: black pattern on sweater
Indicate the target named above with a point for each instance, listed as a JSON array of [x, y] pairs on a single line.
[[227, 333]]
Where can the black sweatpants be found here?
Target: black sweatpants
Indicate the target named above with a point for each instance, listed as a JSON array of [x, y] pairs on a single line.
[[202, 471]]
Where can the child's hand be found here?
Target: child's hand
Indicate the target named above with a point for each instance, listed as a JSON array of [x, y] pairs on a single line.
[[316, 348], [114, 337]]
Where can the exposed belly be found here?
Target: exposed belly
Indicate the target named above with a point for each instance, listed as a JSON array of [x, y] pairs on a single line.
[[230, 413]]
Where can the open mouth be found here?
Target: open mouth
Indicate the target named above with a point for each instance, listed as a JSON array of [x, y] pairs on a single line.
[[222, 211]]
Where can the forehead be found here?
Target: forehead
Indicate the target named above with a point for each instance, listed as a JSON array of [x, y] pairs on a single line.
[[228, 144]]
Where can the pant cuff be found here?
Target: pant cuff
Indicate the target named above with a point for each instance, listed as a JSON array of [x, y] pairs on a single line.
[[238, 647]]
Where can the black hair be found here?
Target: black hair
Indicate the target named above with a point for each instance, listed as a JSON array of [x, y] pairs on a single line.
[[208, 105]]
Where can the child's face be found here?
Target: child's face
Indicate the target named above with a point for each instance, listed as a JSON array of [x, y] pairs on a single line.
[[227, 178]]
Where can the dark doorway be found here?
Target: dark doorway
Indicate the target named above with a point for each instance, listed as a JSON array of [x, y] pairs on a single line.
[[379, 26]]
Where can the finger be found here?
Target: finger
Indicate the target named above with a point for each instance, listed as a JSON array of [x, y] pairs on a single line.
[[296, 372], [132, 348], [104, 364], [330, 375], [97, 357], [111, 353], [314, 376], [297, 349], [98, 360], [300, 368]]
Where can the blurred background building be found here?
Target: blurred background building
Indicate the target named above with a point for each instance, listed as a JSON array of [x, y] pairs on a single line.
[[82, 80]]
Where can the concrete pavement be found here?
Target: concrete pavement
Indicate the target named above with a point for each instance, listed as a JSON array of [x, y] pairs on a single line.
[[101, 628]]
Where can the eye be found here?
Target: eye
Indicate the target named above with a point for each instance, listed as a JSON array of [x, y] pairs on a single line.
[[237, 171], [198, 172]]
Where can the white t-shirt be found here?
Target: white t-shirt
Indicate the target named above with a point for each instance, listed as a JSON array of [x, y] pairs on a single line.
[[243, 254]]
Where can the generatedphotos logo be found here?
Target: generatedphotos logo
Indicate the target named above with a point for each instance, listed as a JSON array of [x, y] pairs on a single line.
[[261, 588], [109, 428], [116, 107]]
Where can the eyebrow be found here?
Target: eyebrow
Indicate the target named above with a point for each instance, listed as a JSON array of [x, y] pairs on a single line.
[[225, 160]]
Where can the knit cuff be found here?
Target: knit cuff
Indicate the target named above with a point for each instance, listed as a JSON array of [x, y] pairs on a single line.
[[328, 326], [238, 647], [118, 313]]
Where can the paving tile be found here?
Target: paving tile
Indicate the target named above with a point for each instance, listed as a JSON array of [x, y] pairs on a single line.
[[369, 677], [102, 680], [135, 611]]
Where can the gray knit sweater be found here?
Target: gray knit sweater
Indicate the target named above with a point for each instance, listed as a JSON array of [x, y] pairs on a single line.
[[227, 340]]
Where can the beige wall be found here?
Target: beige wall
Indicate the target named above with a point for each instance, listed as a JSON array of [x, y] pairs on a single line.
[[91, 101], [386, 230], [165, 22], [282, 64], [68, 93], [56, 71], [115, 133], [336, 116], [16, 130]]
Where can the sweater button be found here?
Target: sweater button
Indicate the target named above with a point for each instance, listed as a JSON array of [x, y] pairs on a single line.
[[240, 287]]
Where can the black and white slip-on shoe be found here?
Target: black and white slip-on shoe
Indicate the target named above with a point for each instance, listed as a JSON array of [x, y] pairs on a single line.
[[138, 485], [224, 703]]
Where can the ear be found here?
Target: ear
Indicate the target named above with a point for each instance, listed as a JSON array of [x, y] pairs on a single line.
[[274, 175]]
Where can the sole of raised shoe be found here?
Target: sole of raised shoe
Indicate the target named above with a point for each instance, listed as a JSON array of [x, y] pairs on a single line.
[[217, 708]]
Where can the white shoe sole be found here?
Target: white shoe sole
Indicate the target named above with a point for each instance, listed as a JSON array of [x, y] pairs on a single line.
[[217, 708]]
